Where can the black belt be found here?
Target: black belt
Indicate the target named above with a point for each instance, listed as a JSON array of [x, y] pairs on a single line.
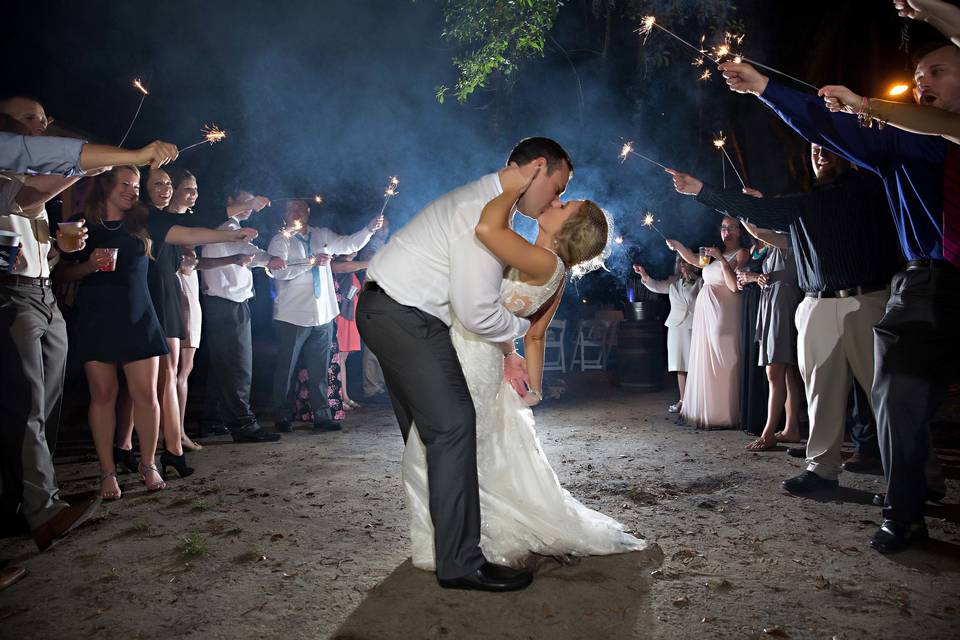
[[846, 293], [24, 281], [929, 263], [370, 285]]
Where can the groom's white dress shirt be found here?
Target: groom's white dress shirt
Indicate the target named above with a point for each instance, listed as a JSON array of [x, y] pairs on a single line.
[[297, 300], [436, 264]]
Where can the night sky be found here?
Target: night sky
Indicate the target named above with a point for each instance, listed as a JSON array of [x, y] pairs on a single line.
[[334, 97]]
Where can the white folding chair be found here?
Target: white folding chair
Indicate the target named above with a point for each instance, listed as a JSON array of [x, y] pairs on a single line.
[[556, 361], [591, 335]]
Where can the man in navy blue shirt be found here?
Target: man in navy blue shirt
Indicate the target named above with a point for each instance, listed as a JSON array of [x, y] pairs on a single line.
[[916, 342]]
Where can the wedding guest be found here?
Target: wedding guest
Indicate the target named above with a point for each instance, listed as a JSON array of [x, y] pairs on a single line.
[[33, 349], [227, 285], [682, 287], [711, 399], [916, 333], [345, 270], [374, 386], [777, 337], [845, 250], [306, 305], [117, 324], [753, 380]]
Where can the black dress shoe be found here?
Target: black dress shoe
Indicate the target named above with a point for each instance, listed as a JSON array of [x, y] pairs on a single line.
[[490, 577], [893, 536], [932, 496], [797, 452], [327, 425], [254, 434], [284, 426], [858, 463], [808, 482]]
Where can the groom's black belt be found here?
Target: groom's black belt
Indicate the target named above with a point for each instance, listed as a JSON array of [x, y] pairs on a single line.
[[370, 285]]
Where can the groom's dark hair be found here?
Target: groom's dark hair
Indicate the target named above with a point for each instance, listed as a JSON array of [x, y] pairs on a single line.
[[529, 149]]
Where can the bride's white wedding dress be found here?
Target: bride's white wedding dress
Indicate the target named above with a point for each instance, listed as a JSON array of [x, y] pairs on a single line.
[[523, 508]]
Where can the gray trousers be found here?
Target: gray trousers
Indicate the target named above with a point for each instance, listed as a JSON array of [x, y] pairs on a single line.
[[314, 343], [427, 386], [227, 335], [917, 348], [33, 355]]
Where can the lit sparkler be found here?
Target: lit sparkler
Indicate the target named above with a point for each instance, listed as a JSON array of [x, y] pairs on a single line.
[[898, 89], [706, 75], [627, 150], [293, 230], [721, 143], [389, 192], [212, 134], [618, 240], [648, 223], [143, 96], [316, 198], [719, 52]]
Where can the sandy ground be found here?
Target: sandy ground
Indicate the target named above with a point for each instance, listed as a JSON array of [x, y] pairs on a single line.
[[305, 538]]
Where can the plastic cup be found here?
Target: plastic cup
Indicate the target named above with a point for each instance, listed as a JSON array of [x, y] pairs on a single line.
[[9, 248], [70, 233], [112, 253], [704, 258]]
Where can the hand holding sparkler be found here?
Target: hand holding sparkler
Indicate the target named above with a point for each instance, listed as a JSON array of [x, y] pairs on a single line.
[[838, 98], [321, 259], [685, 183], [640, 271], [276, 263], [156, 154], [242, 259], [375, 223], [743, 78], [245, 234]]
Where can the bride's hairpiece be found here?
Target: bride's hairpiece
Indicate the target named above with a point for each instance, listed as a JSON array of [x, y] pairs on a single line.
[[577, 271]]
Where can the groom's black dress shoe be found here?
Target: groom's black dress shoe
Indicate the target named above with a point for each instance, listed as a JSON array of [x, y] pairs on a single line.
[[893, 536], [490, 577], [808, 482]]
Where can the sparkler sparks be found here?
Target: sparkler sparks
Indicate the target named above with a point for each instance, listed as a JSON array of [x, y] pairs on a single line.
[[720, 143], [144, 93], [293, 230], [317, 198], [618, 239], [648, 222], [212, 134], [706, 75], [898, 89], [627, 150], [389, 192]]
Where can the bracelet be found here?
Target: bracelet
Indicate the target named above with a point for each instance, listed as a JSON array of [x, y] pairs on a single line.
[[866, 118], [864, 105]]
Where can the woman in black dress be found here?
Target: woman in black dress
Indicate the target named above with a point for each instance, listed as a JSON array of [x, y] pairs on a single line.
[[116, 322], [169, 233]]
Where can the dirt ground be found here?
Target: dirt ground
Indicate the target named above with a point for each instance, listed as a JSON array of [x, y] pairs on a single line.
[[306, 538]]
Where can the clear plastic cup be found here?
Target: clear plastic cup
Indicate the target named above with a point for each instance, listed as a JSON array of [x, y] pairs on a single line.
[[112, 253], [704, 258], [70, 233]]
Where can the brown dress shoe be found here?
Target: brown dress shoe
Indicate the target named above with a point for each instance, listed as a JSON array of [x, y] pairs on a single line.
[[11, 574], [64, 522]]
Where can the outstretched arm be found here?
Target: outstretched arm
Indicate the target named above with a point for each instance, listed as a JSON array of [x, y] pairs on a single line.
[[779, 240], [493, 229], [943, 16], [914, 118], [683, 252]]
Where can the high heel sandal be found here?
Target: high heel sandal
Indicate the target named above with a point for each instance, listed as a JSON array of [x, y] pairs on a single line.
[[156, 486], [111, 495], [127, 458], [179, 463]]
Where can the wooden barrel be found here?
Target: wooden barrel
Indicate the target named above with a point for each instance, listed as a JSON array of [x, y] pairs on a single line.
[[642, 354]]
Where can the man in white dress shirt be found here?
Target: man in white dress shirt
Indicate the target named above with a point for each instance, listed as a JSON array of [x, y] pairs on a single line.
[[226, 312], [431, 270], [305, 309]]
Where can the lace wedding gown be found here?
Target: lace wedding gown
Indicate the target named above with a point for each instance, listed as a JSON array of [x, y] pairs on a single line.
[[523, 508]]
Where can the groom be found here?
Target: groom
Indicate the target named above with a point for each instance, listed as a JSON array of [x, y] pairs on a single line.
[[433, 269]]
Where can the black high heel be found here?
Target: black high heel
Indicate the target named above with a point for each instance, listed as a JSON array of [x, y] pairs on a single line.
[[127, 458], [179, 463]]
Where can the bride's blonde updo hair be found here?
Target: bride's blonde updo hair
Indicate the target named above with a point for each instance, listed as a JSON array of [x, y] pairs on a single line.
[[583, 238]]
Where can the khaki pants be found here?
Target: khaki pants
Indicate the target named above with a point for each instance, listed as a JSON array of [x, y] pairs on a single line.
[[835, 345]]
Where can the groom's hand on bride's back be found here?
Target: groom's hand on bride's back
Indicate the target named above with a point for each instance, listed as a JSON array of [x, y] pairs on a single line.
[[515, 373]]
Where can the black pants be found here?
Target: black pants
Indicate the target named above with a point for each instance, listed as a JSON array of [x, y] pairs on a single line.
[[917, 344], [862, 423], [230, 375], [427, 387], [33, 356], [314, 343]]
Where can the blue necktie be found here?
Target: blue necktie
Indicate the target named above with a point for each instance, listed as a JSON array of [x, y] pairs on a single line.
[[315, 271]]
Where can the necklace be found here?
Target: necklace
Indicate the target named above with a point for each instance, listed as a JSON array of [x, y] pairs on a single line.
[[109, 228]]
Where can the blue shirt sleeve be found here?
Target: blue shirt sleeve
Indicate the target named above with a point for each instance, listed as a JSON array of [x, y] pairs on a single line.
[[40, 154], [871, 148]]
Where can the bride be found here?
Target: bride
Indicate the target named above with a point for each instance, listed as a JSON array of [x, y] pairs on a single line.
[[523, 507]]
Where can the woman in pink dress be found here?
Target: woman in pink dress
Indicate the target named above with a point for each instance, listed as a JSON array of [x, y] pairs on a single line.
[[712, 396]]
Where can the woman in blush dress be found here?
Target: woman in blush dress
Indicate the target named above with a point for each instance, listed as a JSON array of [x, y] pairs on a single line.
[[712, 396]]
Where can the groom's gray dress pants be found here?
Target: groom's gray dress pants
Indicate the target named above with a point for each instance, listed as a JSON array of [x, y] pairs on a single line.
[[427, 387]]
